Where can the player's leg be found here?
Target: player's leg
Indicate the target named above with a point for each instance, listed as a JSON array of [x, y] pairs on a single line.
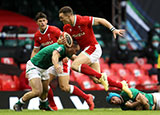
[[50, 92], [36, 91], [64, 86], [88, 56]]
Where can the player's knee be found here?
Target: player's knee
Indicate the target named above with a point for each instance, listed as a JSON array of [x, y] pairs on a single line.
[[64, 88], [75, 66], [37, 93]]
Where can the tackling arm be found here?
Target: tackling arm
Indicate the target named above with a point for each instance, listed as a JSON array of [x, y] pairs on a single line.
[[55, 60], [34, 52]]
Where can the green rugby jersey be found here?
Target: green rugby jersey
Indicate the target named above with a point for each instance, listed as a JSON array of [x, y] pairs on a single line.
[[135, 92], [43, 59]]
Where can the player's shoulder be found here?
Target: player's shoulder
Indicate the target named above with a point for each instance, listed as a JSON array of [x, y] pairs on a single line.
[[51, 28], [37, 34]]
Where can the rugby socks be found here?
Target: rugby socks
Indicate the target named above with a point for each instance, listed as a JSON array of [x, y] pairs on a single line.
[[76, 91], [86, 69], [50, 97], [21, 101], [113, 83]]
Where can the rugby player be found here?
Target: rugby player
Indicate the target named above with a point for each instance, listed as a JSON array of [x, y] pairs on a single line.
[[87, 62], [139, 101], [36, 71]]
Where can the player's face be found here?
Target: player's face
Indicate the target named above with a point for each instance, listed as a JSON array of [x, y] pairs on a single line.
[[73, 50], [116, 100], [42, 23], [64, 18]]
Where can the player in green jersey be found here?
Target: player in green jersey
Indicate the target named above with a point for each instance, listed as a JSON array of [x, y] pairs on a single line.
[[37, 66], [139, 101]]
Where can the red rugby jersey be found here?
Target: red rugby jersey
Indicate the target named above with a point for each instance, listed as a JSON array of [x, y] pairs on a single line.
[[48, 37], [82, 31]]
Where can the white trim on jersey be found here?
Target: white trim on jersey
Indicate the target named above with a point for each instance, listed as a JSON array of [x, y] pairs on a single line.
[[45, 30], [75, 19], [36, 47], [93, 21]]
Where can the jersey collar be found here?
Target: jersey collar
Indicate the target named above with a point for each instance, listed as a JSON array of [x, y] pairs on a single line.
[[75, 19], [44, 30]]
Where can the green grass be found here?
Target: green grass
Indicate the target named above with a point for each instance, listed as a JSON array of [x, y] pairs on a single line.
[[79, 112]]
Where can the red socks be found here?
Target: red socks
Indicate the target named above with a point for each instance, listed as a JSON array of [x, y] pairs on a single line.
[[114, 83], [78, 92], [86, 69], [50, 97]]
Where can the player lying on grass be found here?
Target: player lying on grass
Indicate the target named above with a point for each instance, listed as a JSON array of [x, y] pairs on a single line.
[[37, 66], [139, 101]]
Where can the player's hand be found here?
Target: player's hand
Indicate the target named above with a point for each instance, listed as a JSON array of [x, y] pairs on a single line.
[[58, 69], [119, 32], [128, 104], [65, 60]]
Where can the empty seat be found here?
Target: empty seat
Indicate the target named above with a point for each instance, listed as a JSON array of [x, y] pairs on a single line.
[[131, 66], [23, 66], [7, 60], [115, 66]]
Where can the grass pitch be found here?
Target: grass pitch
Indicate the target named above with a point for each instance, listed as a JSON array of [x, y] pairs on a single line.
[[103, 111]]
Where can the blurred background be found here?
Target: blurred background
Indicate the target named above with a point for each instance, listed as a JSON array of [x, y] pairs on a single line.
[[132, 58]]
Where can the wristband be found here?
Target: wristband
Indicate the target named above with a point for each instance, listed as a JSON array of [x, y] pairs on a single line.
[[112, 29]]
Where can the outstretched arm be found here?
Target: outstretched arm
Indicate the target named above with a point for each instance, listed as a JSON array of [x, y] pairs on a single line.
[[55, 60], [104, 22]]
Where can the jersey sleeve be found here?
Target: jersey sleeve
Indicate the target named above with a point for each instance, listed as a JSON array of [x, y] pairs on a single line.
[[61, 50], [57, 32], [87, 20], [67, 28], [36, 42]]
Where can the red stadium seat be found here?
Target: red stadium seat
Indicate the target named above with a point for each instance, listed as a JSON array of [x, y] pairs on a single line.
[[146, 67], [23, 66], [108, 71], [115, 66], [7, 60], [141, 61], [123, 73], [131, 66]]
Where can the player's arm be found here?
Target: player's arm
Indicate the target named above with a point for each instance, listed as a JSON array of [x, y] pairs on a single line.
[[34, 51], [73, 57], [130, 104], [55, 60], [143, 100], [104, 22]]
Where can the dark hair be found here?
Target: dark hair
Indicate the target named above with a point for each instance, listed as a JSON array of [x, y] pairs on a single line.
[[40, 15], [66, 9]]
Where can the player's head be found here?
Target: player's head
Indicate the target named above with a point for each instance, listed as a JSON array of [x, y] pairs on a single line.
[[41, 20], [65, 14], [114, 98], [74, 49]]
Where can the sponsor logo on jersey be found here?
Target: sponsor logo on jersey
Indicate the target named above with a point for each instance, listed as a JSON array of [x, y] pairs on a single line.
[[39, 38], [47, 43], [78, 35], [59, 49]]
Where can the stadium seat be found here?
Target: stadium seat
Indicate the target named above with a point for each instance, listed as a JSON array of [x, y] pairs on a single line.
[[141, 61], [131, 66], [123, 73], [23, 66], [104, 66], [115, 66], [7, 60], [108, 71], [146, 67]]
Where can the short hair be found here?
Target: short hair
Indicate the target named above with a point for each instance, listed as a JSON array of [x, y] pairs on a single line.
[[66, 10], [40, 15]]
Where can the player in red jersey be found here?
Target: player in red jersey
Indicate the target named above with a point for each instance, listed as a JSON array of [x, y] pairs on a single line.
[[48, 35], [80, 28]]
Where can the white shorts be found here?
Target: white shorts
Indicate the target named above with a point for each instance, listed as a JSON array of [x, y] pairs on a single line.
[[65, 69], [93, 52], [33, 71], [157, 96]]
